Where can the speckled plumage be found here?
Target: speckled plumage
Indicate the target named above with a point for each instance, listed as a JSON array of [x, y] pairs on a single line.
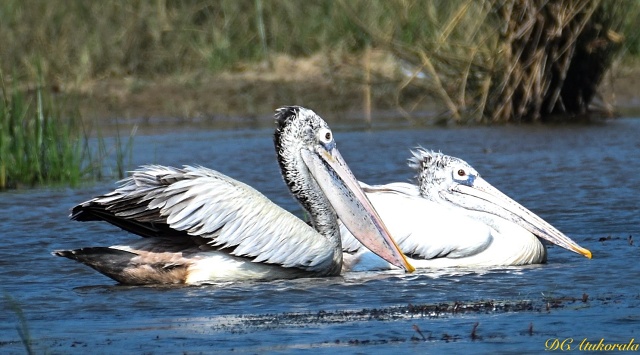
[[202, 226]]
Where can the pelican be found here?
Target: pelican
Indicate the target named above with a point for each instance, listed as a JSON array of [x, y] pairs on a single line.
[[453, 217], [202, 226]]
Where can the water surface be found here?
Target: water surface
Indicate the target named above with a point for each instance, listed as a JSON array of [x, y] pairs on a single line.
[[582, 179]]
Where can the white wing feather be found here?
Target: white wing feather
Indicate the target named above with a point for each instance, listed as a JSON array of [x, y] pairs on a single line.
[[213, 206], [423, 229]]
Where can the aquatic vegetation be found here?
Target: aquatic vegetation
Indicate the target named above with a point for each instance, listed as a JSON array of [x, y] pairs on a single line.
[[22, 327], [41, 143], [37, 144]]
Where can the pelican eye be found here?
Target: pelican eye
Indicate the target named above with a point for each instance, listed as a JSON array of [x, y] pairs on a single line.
[[325, 136], [464, 176]]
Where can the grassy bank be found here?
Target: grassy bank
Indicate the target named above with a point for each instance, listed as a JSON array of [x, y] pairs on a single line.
[[455, 45]]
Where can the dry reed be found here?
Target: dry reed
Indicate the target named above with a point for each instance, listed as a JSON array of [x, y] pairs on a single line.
[[499, 61]]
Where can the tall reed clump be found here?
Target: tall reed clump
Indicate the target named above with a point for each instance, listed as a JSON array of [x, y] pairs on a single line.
[[38, 144], [498, 61]]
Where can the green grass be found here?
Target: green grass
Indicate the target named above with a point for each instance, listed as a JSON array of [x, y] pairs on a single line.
[[42, 143], [80, 40], [36, 144]]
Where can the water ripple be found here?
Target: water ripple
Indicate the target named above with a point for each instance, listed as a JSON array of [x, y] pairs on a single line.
[[583, 179]]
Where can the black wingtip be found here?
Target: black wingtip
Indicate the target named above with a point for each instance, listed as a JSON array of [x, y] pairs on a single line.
[[78, 213], [63, 253]]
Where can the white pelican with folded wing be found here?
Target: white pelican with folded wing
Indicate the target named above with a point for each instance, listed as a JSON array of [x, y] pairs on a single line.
[[199, 225], [453, 217]]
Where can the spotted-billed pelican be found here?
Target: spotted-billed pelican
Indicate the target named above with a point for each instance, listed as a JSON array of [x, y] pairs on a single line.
[[202, 226], [453, 217]]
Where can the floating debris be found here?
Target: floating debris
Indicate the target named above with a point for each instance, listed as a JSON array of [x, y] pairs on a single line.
[[417, 329], [431, 311], [628, 239], [474, 335], [449, 338], [425, 312]]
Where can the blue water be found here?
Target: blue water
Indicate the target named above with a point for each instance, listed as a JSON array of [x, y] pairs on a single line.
[[582, 179]]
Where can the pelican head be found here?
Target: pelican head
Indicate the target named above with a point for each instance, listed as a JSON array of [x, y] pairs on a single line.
[[450, 180], [317, 175]]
